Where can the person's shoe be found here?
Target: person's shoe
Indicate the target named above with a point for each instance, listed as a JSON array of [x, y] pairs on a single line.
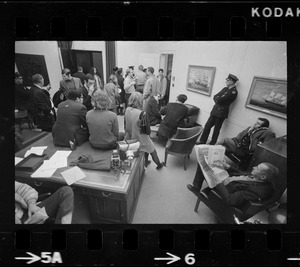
[[160, 165], [147, 163]]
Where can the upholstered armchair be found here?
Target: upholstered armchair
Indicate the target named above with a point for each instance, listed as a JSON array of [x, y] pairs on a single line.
[[226, 213], [182, 143], [193, 113]]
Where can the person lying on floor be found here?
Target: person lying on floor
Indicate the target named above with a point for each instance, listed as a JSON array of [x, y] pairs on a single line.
[[59, 205], [237, 189]]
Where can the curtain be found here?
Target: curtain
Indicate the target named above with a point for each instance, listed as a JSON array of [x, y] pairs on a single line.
[[67, 55], [110, 53]]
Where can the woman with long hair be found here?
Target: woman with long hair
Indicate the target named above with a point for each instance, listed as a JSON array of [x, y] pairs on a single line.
[[132, 129], [98, 82]]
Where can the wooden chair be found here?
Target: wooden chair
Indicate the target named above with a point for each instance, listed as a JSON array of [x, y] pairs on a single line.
[[22, 115], [226, 213], [182, 143]]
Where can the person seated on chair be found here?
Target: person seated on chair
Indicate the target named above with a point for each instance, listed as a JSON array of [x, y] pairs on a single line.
[[71, 121], [58, 206], [152, 110], [102, 123], [235, 190], [246, 141], [175, 113]]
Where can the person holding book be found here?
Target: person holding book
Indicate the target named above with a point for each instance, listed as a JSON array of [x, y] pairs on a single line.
[[240, 187]]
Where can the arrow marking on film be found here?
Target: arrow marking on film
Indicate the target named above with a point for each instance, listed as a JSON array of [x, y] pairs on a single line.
[[172, 259], [32, 259]]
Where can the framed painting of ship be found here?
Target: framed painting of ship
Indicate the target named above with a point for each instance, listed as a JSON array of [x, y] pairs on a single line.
[[200, 79], [268, 95]]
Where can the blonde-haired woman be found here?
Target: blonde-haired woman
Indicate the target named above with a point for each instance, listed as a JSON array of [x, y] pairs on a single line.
[[102, 123], [132, 129]]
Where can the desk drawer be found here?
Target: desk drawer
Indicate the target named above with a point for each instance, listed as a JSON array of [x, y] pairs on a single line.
[[102, 194]]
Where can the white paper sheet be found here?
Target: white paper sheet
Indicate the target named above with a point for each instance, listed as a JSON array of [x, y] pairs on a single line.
[[73, 175], [54, 164], [38, 150], [17, 160], [43, 173]]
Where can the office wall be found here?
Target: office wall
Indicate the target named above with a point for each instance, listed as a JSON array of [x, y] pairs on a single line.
[[49, 49], [127, 53], [244, 59]]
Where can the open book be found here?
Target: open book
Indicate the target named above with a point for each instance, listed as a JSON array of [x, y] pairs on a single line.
[[212, 174]]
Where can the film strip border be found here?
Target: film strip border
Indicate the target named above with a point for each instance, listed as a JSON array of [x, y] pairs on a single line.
[[142, 246], [163, 21], [82, 245]]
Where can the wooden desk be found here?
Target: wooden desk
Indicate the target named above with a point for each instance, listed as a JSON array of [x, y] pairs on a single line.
[[111, 201], [274, 152]]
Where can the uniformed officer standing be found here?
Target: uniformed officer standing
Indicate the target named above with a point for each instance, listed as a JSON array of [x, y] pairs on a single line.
[[220, 110]]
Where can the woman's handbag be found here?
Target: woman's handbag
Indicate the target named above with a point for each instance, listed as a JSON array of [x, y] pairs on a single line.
[[144, 123], [128, 145]]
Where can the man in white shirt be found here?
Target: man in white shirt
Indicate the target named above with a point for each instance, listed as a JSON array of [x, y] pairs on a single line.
[[163, 86], [129, 83], [140, 79], [152, 86]]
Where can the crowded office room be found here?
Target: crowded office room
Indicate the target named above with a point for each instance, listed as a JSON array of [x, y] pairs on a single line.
[[150, 132]]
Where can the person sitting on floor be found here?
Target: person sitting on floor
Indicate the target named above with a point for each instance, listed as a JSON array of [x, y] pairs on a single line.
[[236, 190], [59, 205], [175, 113], [71, 121], [152, 110], [246, 141], [132, 128], [102, 123]]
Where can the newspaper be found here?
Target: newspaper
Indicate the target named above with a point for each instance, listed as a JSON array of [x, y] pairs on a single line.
[[212, 174]]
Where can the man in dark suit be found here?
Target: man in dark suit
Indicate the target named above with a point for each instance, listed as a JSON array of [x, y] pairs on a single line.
[[68, 82], [220, 110], [71, 119], [175, 113], [79, 74], [42, 104], [238, 188], [22, 95], [87, 90], [246, 141]]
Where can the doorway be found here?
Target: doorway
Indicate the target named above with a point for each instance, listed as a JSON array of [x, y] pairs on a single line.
[[166, 63], [86, 59]]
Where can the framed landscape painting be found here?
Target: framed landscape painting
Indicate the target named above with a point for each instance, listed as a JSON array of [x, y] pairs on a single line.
[[268, 95], [200, 79]]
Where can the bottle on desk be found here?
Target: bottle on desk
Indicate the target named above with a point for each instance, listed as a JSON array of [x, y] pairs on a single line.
[[72, 144]]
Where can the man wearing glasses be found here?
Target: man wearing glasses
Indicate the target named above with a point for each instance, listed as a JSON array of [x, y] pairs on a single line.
[[220, 111]]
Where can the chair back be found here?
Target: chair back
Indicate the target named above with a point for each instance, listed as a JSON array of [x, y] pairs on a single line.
[[184, 140]]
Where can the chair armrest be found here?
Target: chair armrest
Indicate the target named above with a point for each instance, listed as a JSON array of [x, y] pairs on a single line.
[[257, 204]]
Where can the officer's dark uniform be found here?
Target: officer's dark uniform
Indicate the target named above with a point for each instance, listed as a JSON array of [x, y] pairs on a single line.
[[220, 111]]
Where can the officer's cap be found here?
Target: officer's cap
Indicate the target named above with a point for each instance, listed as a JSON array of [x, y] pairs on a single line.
[[232, 77]]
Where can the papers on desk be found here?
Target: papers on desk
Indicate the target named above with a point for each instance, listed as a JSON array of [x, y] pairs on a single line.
[[58, 160], [73, 175], [38, 150], [17, 160]]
